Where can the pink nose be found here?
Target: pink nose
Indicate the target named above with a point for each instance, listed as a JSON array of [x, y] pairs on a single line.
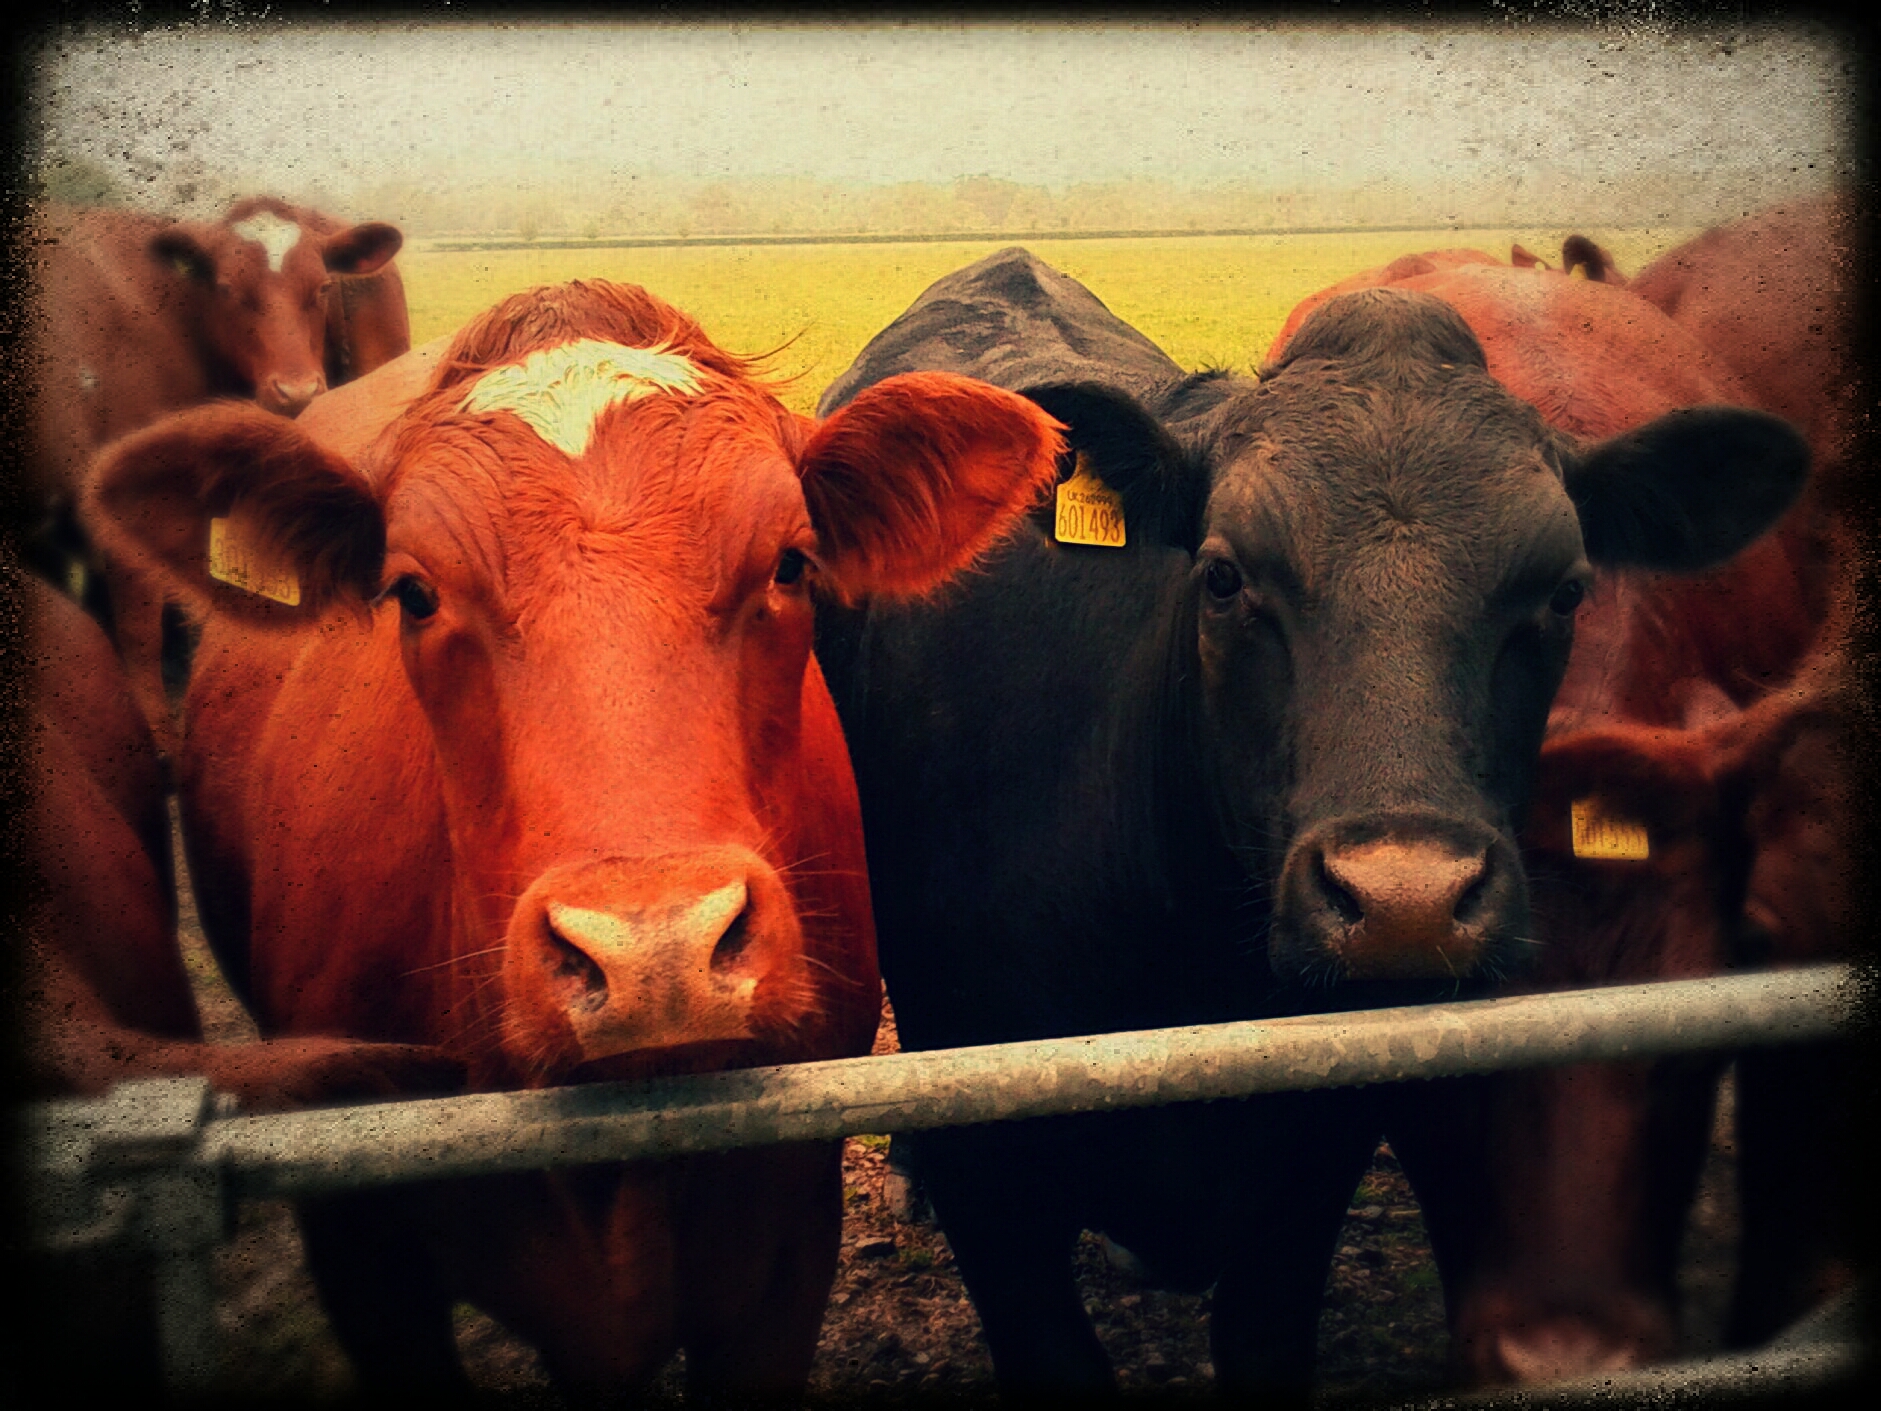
[[289, 397], [627, 955], [1403, 901], [1556, 1348]]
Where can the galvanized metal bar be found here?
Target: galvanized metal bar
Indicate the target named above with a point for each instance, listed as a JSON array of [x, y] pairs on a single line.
[[296, 1154]]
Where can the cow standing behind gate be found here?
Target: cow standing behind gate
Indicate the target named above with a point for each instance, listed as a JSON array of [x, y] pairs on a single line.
[[1686, 767], [135, 316], [1263, 755], [539, 768]]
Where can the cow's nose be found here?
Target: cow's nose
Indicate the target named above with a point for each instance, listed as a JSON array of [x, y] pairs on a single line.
[[606, 949], [289, 396], [629, 976], [1404, 904], [640, 955], [1561, 1346], [1404, 901]]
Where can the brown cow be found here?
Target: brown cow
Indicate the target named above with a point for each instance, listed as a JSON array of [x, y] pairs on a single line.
[[1556, 1199], [103, 994], [1393, 272], [136, 316], [541, 769]]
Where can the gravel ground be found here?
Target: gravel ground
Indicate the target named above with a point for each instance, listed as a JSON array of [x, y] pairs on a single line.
[[900, 1329]]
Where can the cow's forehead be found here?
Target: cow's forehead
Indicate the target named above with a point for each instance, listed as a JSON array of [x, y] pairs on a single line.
[[275, 235], [559, 393], [1476, 492]]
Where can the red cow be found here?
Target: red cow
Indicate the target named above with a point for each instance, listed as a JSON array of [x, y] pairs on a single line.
[[103, 993], [541, 770], [137, 316], [1556, 1199]]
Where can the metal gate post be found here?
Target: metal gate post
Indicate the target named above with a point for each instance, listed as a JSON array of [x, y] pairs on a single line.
[[127, 1170]]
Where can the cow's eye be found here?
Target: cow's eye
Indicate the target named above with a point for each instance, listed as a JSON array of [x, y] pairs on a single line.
[[1567, 597], [416, 599], [1222, 579], [791, 565]]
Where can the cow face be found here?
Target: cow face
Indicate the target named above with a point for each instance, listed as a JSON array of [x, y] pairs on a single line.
[[1389, 550], [1392, 554], [592, 547], [263, 277]]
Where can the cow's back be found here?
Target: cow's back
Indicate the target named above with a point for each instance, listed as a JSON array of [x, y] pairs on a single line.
[[109, 341], [1770, 293], [1013, 321]]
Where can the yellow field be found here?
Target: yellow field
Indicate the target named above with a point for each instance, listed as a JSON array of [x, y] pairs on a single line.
[[1207, 301]]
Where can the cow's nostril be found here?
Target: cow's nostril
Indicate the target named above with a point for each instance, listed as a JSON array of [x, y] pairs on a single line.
[[1470, 905], [734, 942], [1344, 905], [570, 964]]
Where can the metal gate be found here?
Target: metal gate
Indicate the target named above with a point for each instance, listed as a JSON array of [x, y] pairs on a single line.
[[157, 1165]]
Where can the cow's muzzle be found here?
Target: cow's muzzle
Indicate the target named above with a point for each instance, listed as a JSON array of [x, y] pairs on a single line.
[[289, 396], [1400, 897], [634, 954], [1504, 1338]]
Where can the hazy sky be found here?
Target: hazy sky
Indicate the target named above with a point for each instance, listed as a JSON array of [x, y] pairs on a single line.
[[339, 107]]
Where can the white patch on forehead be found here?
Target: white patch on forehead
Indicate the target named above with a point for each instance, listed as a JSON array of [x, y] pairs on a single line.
[[274, 235], [561, 391]]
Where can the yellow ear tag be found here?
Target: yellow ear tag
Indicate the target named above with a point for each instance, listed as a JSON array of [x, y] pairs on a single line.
[[1601, 835], [231, 562], [1089, 511]]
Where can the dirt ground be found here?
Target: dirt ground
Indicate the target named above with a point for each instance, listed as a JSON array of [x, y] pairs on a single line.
[[900, 1329]]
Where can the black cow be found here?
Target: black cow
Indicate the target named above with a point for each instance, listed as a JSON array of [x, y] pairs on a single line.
[[1261, 759]]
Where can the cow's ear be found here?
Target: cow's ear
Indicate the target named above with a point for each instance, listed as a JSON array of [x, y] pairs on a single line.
[[919, 476], [1578, 252], [361, 249], [233, 509], [1131, 453], [1686, 491], [180, 248]]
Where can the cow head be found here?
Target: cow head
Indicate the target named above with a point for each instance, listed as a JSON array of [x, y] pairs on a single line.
[[262, 278], [593, 545], [1388, 551]]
